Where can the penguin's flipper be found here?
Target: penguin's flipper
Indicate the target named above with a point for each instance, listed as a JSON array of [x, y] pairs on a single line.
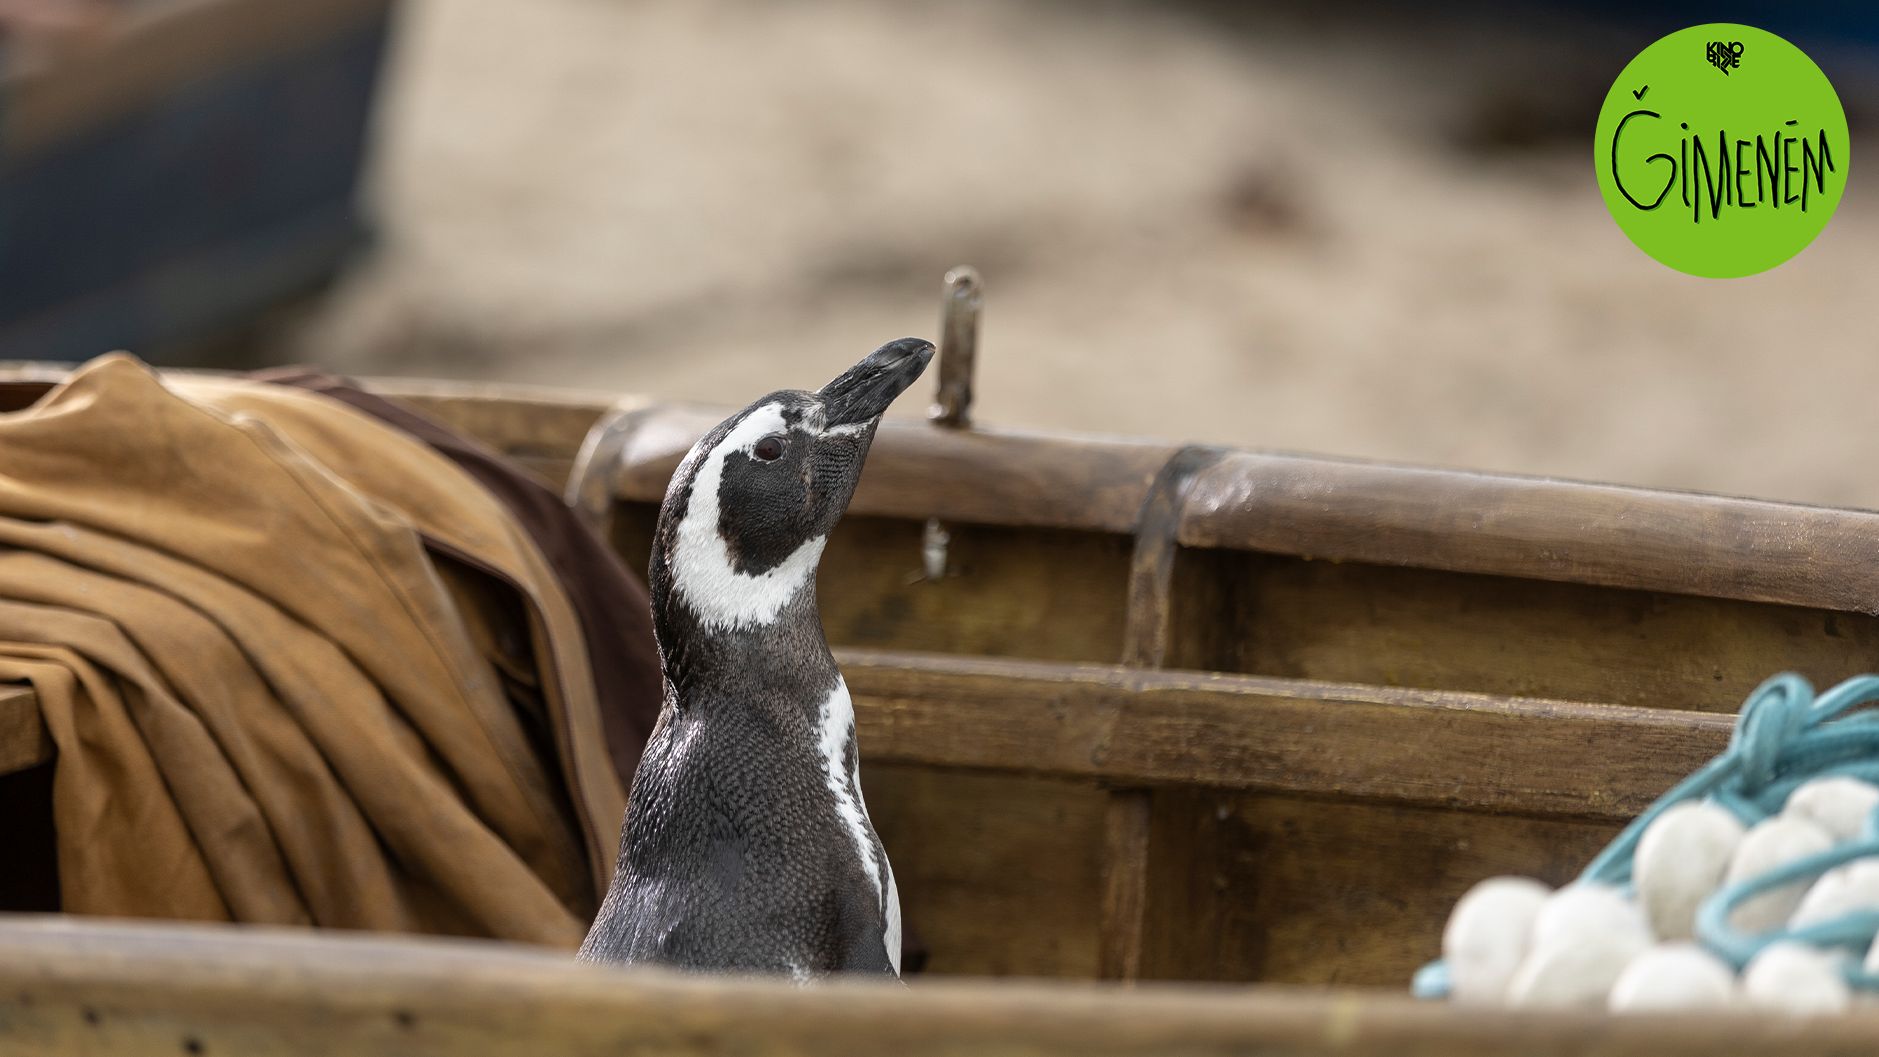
[[858, 932]]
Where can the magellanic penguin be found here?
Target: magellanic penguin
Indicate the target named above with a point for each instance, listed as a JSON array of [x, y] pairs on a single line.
[[747, 847]]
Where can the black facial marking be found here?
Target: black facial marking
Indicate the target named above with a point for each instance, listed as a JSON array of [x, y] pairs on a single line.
[[764, 512], [769, 508]]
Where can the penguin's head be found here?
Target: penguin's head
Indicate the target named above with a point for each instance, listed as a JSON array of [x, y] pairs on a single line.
[[749, 509]]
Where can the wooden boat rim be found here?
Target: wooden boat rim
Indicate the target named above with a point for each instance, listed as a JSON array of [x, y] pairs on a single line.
[[1339, 509], [146, 987]]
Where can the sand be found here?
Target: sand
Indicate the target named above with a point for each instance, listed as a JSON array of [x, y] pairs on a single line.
[[1377, 235]]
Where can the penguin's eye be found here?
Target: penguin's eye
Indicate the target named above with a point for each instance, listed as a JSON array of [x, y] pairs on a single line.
[[769, 449]]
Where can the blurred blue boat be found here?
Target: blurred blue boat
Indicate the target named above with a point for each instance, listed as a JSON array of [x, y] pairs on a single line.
[[192, 166]]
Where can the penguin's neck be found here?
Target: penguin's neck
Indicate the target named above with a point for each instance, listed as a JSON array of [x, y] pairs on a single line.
[[783, 662]]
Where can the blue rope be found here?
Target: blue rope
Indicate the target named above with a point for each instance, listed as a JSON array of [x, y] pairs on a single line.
[[1784, 737]]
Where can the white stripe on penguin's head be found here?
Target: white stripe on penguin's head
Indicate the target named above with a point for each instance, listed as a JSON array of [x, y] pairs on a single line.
[[703, 571]]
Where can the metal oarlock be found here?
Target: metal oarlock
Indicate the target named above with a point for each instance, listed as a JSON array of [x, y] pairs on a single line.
[[959, 348]]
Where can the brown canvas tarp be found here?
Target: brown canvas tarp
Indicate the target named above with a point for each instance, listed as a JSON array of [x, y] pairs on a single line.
[[615, 614], [262, 631]]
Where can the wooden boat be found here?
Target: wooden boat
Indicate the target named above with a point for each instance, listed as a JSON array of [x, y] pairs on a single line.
[[1185, 718], [179, 169]]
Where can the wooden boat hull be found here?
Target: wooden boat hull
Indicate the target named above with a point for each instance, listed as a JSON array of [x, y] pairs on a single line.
[[1189, 714], [1171, 714], [85, 987]]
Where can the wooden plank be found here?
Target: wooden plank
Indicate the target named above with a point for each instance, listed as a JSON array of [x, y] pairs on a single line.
[[916, 471], [659, 437], [1151, 567], [999, 875], [1135, 728], [1354, 622], [1130, 828], [1008, 477], [157, 49], [1538, 528], [592, 479], [1003, 874], [1397, 515], [24, 741], [1255, 886], [1605, 535], [1046, 594], [1125, 882], [71, 986]]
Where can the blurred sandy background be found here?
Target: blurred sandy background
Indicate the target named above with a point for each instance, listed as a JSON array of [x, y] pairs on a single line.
[[1375, 234]]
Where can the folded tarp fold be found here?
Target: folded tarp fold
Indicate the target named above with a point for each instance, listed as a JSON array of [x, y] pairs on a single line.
[[299, 667]]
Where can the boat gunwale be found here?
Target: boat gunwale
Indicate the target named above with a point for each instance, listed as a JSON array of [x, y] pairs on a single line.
[[1339, 509], [143, 987]]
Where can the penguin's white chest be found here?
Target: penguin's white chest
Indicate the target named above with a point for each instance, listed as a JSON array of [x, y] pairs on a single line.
[[841, 762]]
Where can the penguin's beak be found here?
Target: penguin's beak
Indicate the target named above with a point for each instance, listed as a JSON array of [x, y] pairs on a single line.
[[864, 390]]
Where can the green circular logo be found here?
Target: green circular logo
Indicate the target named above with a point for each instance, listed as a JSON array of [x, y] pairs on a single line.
[[1721, 150]]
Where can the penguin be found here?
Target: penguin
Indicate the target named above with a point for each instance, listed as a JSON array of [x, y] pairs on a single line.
[[746, 845]]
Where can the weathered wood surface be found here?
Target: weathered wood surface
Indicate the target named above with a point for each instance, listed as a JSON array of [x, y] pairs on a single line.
[[650, 442], [1498, 524], [1355, 622], [1311, 823], [68, 987], [1275, 888], [24, 741], [1133, 727], [1003, 874], [1126, 832], [156, 49], [1046, 594], [1000, 874], [916, 470], [593, 478], [1539, 528], [1151, 566], [1129, 830]]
